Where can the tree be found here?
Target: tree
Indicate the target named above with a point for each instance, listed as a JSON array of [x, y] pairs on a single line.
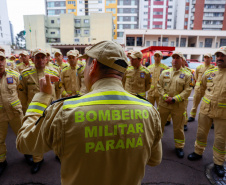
[[20, 40]]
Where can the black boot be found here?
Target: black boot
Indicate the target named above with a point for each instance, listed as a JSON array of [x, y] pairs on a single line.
[[191, 119], [28, 159], [219, 170], [212, 126], [194, 157], [185, 128], [3, 167], [167, 123], [36, 167], [179, 152]]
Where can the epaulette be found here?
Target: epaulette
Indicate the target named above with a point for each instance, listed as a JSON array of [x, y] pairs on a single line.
[[152, 65], [27, 71], [12, 72], [65, 68], [163, 66], [51, 72], [66, 98], [130, 67], [211, 70], [144, 69], [200, 66]]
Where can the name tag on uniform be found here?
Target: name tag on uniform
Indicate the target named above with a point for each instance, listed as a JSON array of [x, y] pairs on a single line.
[[142, 75], [10, 80], [181, 76], [8, 64]]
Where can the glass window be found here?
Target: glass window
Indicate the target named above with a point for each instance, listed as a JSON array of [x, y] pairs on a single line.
[[52, 32], [172, 43], [51, 12], [52, 21], [159, 13], [70, 10], [121, 2], [200, 44], [154, 43], [139, 41], [208, 42], [133, 10], [99, 1], [130, 41], [120, 10], [120, 18], [132, 19], [222, 42], [111, 10], [120, 26], [50, 4], [119, 34], [77, 40], [133, 2], [77, 20], [132, 26], [148, 43], [164, 41], [86, 32], [77, 31], [183, 42], [86, 21]]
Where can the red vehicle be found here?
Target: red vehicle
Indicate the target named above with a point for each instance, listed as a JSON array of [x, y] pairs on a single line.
[[148, 54]]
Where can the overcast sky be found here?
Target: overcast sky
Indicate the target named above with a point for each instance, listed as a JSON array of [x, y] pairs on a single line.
[[18, 8]]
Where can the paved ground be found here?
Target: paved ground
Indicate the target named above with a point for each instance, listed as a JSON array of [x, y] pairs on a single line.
[[172, 171]]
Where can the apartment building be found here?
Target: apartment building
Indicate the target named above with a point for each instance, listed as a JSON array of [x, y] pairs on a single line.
[[208, 15], [192, 43], [67, 31], [5, 34]]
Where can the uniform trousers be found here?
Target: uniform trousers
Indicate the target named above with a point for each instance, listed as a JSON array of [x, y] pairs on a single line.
[[196, 100], [186, 112], [153, 99], [219, 146], [177, 114]]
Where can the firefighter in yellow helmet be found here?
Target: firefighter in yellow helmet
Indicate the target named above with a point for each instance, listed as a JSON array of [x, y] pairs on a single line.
[[213, 109]]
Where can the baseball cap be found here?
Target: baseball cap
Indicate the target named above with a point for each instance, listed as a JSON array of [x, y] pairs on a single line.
[[177, 53], [158, 52], [87, 48], [47, 52], [57, 52], [39, 50], [130, 52], [2, 54], [24, 53], [73, 53], [107, 52], [207, 55], [12, 56], [136, 54], [1, 48], [222, 49]]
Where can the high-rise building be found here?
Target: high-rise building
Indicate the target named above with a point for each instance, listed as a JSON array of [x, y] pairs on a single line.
[[208, 15], [5, 36]]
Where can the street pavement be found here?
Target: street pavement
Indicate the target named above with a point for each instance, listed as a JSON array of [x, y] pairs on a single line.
[[172, 170]]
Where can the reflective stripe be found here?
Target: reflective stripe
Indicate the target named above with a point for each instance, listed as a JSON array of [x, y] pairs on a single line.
[[165, 96], [2, 156], [152, 86], [36, 107], [108, 97], [28, 72], [64, 93], [51, 72], [219, 151], [17, 102], [142, 94], [206, 100], [178, 97], [197, 83], [178, 141], [13, 73], [193, 113], [1, 106], [222, 105], [201, 143]]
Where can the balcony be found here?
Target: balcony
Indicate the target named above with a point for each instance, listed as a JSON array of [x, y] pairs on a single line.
[[193, 1], [53, 40], [212, 26], [215, 2], [213, 18], [192, 18], [218, 10], [193, 10]]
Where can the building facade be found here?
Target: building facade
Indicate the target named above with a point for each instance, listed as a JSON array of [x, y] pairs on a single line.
[[192, 43], [5, 35], [67, 31]]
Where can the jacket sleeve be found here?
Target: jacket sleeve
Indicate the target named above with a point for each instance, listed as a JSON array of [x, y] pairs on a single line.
[[147, 81], [156, 149], [64, 93], [23, 94], [160, 87], [187, 90], [203, 85], [42, 129]]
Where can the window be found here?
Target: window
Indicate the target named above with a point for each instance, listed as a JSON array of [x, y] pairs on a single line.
[[222, 42], [111, 10], [187, 8], [120, 26], [80, 10], [216, 44], [77, 21], [86, 32], [99, 1], [170, 13], [100, 10], [208, 42], [52, 21], [157, 26], [132, 26], [71, 2], [77, 31], [86, 21], [158, 13], [119, 34], [52, 32], [183, 42], [70, 10], [168, 26], [110, 2], [51, 12], [139, 41], [77, 40], [133, 2], [170, 6], [1, 34], [120, 10], [172, 43], [164, 41], [145, 26], [80, 2], [130, 41], [169, 19], [185, 23], [145, 13], [145, 6], [120, 18], [121, 2], [50, 4], [46, 31], [145, 19], [154, 43], [133, 19], [200, 44], [148, 43], [133, 10]]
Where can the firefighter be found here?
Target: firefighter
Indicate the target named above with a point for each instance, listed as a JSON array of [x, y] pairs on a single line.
[[128, 127], [200, 70], [155, 71], [10, 64], [137, 78], [49, 64], [213, 109], [174, 88], [10, 108], [29, 86], [59, 58], [26, 63]]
